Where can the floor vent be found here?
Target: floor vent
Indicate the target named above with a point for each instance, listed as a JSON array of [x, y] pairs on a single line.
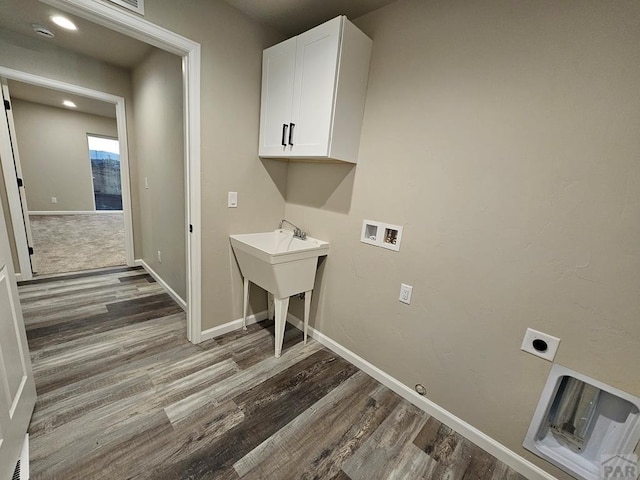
[[16, 472], [22, 467], [136, 6]]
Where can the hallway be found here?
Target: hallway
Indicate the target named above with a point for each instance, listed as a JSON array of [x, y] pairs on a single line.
[[123, 394]]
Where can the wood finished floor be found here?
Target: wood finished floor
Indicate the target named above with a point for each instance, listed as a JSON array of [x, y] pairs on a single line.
[[123, 395]]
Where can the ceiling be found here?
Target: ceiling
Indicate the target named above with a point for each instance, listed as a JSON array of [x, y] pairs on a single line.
[[90, 39], [54, 98], [291, 17]]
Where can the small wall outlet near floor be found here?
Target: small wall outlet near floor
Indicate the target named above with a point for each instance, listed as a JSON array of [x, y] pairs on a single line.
[[405, 293], [159, 256], [54, 199]]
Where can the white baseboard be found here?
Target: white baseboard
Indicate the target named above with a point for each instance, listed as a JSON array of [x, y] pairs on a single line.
[[232, 325], [71, 212], [172, 293], [502, 453]]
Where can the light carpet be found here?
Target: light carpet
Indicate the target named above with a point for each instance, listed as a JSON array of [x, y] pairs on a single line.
[[69, 243]]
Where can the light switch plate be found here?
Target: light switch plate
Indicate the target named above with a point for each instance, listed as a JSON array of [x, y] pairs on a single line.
[[232, 200]]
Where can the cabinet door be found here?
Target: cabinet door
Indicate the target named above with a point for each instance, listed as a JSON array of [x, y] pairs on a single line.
[[313, 94], [278, 65]]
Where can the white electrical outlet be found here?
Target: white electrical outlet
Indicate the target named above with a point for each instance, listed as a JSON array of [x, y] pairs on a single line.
[[146, 183], [405, 293], [54, 199], [232, 201], [540, 344], [159, 256]]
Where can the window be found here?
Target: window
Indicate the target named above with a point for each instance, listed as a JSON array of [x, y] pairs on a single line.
[[104, 154]]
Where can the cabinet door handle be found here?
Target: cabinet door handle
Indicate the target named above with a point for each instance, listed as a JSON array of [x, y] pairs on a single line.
[[291, 125], [284, 134]]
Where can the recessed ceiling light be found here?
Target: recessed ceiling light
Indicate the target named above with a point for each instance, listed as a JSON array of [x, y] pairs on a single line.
[[69, 103], [64, 22], [42, 30]]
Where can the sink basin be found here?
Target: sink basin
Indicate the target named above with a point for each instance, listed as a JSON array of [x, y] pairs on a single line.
[[284, 266], [277, 261]]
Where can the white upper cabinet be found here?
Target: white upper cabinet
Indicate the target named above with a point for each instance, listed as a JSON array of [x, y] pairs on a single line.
[[313, 93]]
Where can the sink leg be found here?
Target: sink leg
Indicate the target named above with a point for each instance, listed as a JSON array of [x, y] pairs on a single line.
[[245, 304], [281, 306], [270, 307], [307, 310]]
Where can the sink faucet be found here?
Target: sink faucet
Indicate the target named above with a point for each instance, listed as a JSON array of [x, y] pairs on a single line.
[[297, 232]]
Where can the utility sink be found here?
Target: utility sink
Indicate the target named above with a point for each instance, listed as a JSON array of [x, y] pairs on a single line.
[[281, 264]]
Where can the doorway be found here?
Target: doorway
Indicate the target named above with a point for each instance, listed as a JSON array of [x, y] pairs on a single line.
[[131, 25], [69, 230], [64, 230]]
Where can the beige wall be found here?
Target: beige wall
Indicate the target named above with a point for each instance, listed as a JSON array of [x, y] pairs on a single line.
[[159, 155], [504, 137], [232, 47], [55, 156]]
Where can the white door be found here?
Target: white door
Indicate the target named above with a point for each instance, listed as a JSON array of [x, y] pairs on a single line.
[[278, 66], [14, 186], [314, 87], [17, 387]]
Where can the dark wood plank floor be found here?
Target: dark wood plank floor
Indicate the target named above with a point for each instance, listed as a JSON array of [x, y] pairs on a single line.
[[123, 395]]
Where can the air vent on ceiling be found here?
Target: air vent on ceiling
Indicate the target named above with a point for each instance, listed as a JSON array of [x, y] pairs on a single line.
[[42, 30], [133, 5]]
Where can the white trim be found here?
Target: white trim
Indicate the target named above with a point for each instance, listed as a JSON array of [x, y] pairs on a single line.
[[172, 293], [18, 165], [495, 448], [129, 24], [121, 123], [233, 325], [73, 212], [93, 188], [16, 213]]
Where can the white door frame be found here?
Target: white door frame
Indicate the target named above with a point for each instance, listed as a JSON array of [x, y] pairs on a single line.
[[13, 198], [121, 123], [115, 18], [18, 165]]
